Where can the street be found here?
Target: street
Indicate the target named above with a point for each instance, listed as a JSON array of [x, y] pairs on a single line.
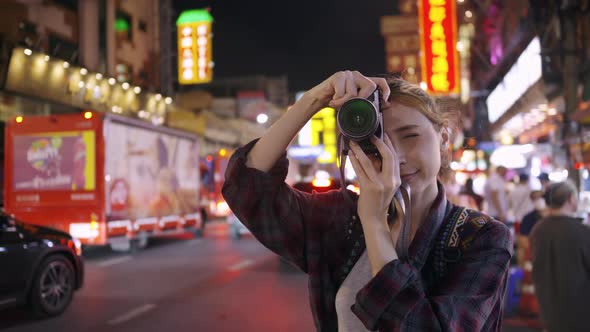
[[215, 283]]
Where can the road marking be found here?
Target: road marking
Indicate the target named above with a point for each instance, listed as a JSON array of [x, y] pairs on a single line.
[[114, 261], [7, 301], [132, 314], [241, 265], [193, 242]]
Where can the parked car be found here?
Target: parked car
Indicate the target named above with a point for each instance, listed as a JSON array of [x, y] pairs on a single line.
[[41, 267]]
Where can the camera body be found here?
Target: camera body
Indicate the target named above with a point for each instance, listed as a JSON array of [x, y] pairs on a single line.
[[359, 119]]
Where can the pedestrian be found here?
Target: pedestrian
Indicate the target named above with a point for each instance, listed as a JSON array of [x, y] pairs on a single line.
[[495, 194], [544, 180], [519, 198], [560, 245], [436, 267], [475, 200], [523, 254], [532, 217]]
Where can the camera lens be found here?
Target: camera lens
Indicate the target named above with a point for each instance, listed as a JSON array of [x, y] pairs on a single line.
[[357, 118]]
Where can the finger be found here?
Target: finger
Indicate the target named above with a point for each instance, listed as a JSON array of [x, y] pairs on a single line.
[[364, 161], [350, 89], [387, 158], [383, 86], [388, 143], [351, 85], [358, 169], [395, 164], [339, 85], [367, 86]]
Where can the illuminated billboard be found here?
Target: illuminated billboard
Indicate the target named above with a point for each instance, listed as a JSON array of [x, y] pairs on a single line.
[[54, 161], [195, 63], [438, 34]]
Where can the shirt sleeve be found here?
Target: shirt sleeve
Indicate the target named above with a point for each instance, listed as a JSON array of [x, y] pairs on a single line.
[[468, 299], [276, 214]]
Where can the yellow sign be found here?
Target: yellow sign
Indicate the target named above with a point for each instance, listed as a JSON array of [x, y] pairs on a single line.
[[323, 131], [194, 53]]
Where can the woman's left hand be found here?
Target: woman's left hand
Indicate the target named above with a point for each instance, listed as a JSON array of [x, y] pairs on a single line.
[[378, 179]]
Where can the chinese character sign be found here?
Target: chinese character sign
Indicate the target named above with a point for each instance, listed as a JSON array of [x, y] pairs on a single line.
[[195, 63], [438, 29]]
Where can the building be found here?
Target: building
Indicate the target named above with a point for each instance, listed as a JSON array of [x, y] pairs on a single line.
[[226, 110], [67, 56]]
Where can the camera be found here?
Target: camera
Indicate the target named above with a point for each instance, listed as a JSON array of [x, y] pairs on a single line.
[[359, 119]]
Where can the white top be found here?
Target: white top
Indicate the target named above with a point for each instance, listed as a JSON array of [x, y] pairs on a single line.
[[359, 277], [496, 183], [520, 201]]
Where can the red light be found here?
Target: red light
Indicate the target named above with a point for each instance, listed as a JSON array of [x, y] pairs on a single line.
[[209, 158], [579, 165]]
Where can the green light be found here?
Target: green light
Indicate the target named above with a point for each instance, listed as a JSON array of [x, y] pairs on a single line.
[[121, 25], [194, 15]]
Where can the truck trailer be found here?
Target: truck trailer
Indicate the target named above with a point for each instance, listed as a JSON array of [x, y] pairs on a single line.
[[104, 178]]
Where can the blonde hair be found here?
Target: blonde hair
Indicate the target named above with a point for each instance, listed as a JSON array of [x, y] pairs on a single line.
[[412, 95]]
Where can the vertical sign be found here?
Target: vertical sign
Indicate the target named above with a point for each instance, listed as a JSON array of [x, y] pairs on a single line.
[[323, 132], [194, 47], [438, 29]]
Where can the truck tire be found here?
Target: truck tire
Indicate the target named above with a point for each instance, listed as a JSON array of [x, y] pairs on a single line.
[[122, 245], [53, 287], [140, 242]]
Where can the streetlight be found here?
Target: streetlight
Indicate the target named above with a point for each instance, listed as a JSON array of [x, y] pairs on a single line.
[[262, 118]]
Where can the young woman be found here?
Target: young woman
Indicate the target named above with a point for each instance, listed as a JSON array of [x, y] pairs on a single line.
[[357, 279]]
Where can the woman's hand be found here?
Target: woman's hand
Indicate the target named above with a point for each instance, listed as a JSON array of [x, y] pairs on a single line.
[[344, 85], [378, 180]]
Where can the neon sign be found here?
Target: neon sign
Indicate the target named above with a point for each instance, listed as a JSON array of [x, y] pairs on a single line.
[[438, 29], [194, 47]]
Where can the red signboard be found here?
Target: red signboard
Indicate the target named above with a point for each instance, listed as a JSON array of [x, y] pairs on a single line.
[[438, 32]]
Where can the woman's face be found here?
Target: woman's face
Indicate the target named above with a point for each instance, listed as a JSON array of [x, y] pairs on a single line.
[[417, 144]]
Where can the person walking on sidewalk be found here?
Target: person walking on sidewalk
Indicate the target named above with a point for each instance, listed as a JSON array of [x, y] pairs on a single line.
[[519, 198], [495, 194], [560, 246]]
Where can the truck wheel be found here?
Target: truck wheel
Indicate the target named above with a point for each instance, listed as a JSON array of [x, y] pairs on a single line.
[[121, 245], [53, 287], [140, 242]]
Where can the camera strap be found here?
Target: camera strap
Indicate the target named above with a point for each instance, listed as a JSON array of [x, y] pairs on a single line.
[[403, 211]]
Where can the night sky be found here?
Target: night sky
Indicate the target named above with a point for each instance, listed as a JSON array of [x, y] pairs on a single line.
[[307, 40]]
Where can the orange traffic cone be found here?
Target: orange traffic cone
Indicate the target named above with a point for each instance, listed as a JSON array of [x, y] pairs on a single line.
[[528, 301]]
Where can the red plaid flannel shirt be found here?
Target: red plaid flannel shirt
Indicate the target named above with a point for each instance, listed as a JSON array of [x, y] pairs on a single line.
[[322, 235]]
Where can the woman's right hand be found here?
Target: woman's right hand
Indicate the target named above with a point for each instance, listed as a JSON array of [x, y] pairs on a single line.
[[344, 85]]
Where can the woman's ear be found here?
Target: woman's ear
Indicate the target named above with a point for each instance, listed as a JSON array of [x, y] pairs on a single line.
[[445, 137]]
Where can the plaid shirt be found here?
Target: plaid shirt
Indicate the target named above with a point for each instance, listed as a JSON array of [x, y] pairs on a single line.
[[322, 234]]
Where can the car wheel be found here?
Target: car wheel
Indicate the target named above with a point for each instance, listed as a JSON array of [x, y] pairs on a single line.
[[53, 287]]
